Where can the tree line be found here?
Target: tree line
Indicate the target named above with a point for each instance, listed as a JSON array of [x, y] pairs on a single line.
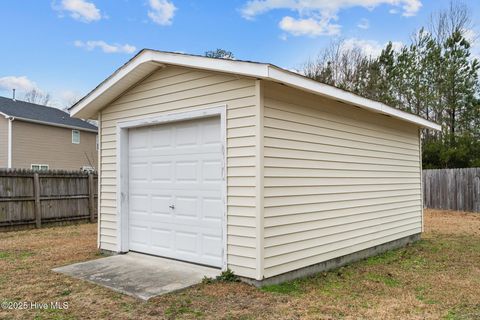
[[434, 77]]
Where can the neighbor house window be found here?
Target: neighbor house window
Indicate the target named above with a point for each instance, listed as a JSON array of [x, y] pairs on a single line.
[[76, 136], [39, 167], [96, 141]]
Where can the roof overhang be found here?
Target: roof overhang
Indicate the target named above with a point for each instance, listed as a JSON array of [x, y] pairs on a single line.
[[55, 124], [12, 118], [148, 61]]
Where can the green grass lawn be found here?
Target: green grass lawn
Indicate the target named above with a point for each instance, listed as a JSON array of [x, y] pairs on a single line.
[[435, 278]]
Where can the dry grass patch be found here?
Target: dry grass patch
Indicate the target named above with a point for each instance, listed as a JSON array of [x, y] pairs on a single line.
[[438, 277]]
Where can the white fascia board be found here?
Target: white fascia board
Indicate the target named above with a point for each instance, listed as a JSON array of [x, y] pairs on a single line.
[[56, 124], [118, 75], [300, 82], [5, 115], [160, 59], [249, 69]]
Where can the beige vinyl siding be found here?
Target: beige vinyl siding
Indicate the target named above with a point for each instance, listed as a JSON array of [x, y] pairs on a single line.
[[34, 143], [338, 179], [3, 142], [173, 90]]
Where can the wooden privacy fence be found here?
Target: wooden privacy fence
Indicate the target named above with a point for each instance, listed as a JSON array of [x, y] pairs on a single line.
[[33, 198], [452, 189]]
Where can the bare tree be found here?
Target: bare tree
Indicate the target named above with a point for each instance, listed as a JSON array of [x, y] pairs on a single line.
[[337, 65], [70, 102], [37, 97], [445, 22]]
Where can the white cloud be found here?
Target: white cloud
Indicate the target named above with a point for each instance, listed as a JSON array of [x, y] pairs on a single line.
[[369, 47], [308, 27], [66, 98], [256, 7], [69, 95], [472, 36], [105, 47], [21, 83], [162, 12], [364, 24], [80, 10], [316, 17]]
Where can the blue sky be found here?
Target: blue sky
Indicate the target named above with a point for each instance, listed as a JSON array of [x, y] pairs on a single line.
[[66, 47]]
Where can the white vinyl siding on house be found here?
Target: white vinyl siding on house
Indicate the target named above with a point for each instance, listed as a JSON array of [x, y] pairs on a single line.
[[173, 90], [338, 179]]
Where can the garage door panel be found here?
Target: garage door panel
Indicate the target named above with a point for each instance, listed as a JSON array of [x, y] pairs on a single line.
[[209, 136], [139, 203], [211, 246], [186, 206], [139, 171], [186, 242], [186, 134], [179, 165], [162, 238], [180, 224], [212, 171], [211, 207], [187, 171], [161, 137], [180, 152], [139, 141], [161, 171], [160, 204], [138, 234]]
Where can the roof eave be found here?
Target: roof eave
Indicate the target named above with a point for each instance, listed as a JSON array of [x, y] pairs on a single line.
[[300, 82], [53, 124], [154, 60], [147, 61]]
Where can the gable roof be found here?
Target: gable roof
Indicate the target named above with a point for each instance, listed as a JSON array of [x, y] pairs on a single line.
[[32, 112], [147, 61]]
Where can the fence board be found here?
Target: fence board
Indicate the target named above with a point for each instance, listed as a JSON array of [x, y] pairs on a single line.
[[62, 196], [452, 189]]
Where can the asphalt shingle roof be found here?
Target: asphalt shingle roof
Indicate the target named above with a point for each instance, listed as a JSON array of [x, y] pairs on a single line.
[[36, 112]]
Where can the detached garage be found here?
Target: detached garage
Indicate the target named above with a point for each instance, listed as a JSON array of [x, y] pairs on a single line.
[[248, 166]]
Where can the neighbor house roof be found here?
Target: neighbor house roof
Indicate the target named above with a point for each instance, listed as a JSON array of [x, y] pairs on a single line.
[[147, 61], [32, 112]]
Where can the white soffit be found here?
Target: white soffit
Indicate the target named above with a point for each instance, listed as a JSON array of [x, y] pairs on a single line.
[[147, 61]]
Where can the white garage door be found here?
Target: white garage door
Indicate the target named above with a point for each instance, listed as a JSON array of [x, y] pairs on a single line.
[[175, 190]]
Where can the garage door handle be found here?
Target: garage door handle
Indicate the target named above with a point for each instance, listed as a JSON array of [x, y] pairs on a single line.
[[171, 206]]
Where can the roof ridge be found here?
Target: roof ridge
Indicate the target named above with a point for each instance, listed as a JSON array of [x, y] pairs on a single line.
[[148, 60], [47, 115], [36, 104]]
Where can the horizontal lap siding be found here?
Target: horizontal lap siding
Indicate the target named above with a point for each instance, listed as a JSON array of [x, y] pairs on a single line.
[[338, 179], [175, 89]]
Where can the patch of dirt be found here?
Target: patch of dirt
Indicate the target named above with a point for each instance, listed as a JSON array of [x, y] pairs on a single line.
[[452, 222], [438, 277]]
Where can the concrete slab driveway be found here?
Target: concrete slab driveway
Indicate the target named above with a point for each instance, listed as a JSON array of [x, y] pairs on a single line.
[[139, 275]]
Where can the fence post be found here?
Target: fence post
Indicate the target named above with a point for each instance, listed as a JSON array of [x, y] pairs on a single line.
[[91, 197], [36, 194]]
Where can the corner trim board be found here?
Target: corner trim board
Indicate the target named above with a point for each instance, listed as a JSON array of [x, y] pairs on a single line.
[[99, 177], [259, 174], [10, 138]]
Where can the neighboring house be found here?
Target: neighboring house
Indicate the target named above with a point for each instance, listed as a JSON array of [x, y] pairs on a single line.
[[38, 137], [252, 167]]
